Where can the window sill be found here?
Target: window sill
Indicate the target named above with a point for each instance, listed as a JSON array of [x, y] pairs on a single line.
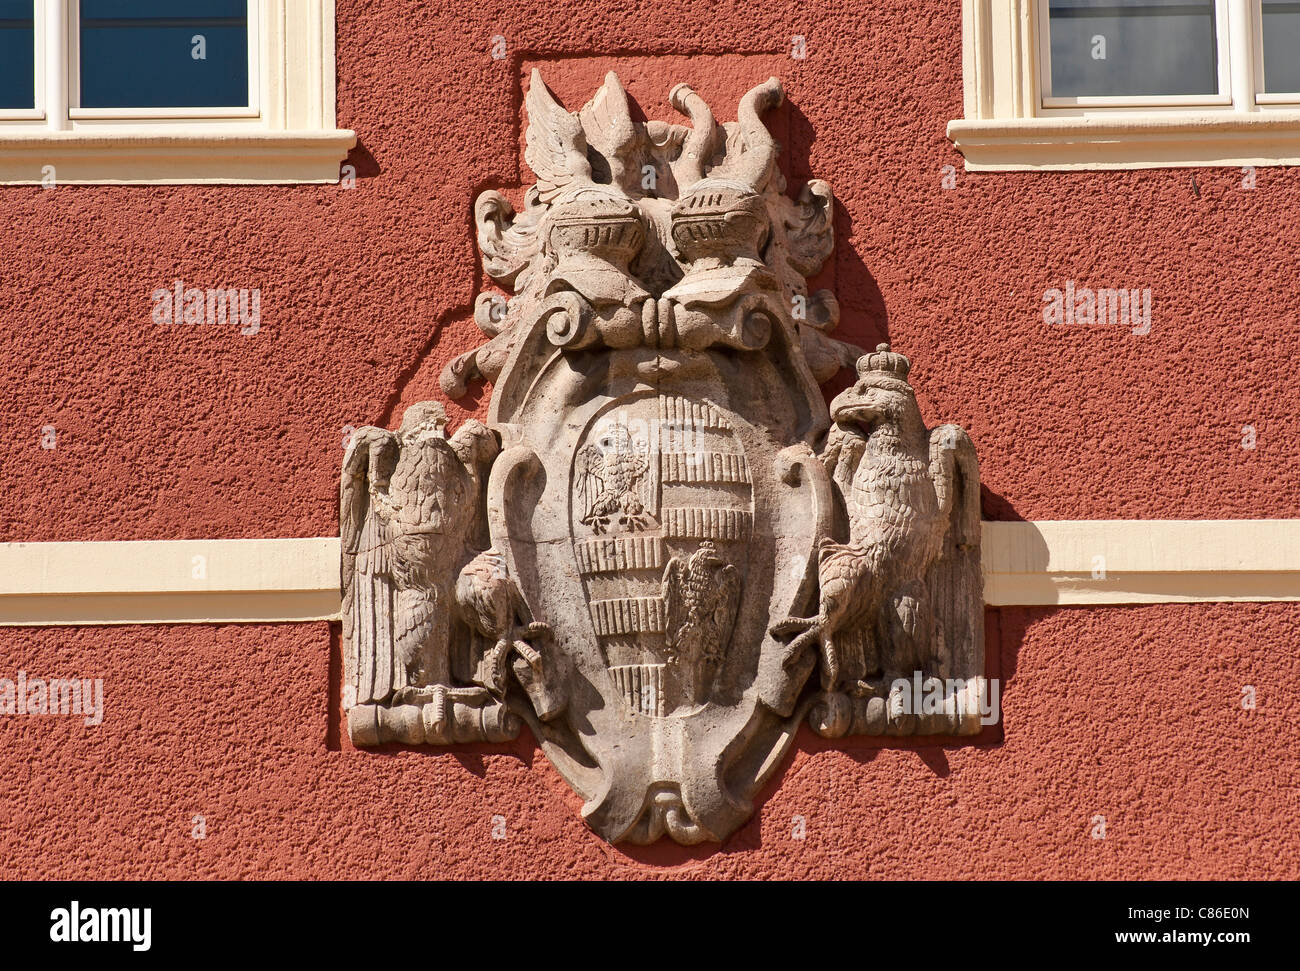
[[1128, 141], [173, 158]]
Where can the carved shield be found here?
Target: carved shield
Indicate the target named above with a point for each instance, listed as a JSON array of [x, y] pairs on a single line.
[[688, 530], [658, 500], [662, 517]]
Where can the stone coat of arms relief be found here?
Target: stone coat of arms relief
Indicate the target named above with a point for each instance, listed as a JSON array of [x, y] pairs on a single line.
[[662, 552]]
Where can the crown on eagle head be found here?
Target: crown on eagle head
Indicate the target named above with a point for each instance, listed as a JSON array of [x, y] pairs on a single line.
[[884, 363]]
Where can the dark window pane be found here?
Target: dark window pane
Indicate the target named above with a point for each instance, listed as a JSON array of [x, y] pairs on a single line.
[[143, 54], [1151, 47], [1281, 47], [17, 54]]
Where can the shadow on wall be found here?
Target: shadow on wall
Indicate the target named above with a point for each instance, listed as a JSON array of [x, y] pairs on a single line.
[[363, 163], [864, 320]]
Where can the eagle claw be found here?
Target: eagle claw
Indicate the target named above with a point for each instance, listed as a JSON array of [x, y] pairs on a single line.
[[809, 631]]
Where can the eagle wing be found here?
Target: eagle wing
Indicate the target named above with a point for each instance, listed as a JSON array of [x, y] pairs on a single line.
[[607, 123], [371, 454], [555, 146], [591, 474], [955, 471], [725, 604], [674, 602], [365, 563], [476, 447], [955, 580], [841, 454]]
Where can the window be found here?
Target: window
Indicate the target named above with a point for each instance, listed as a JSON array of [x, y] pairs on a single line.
[[1156, 52], [168, 91], [1129, 83], [17, 56], [1279, 52], [143, 54]]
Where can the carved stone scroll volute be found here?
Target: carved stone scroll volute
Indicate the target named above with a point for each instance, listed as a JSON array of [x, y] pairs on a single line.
[[678, 552]]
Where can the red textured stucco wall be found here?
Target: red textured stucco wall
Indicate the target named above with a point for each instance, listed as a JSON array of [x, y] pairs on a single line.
[[174, 432], [1129, 713]]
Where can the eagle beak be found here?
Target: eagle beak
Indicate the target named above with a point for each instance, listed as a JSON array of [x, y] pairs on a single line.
[[856, 413]]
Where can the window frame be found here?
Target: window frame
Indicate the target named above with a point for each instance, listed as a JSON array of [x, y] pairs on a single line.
[[36, 113], [1263, 98], [72, 47], [1008, 127], [286, 135], [1222, 43]]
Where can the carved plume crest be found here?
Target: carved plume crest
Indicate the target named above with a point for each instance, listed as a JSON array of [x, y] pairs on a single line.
[[659, 200]]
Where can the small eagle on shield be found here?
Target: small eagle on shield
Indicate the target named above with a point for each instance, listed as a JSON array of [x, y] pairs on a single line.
[[701, 595], [611, 481]]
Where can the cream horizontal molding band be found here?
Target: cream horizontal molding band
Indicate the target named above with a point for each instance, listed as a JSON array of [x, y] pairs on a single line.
[[161, 158], [261, 580], [169, 581], [1119, 561], [1128, 141]]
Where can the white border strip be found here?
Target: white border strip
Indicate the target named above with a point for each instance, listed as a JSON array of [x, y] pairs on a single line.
[[272, 580], [1110, 561], [169, 581]]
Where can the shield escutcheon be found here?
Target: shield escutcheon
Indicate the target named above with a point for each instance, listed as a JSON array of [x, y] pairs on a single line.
[[688, 525], [662, 515]]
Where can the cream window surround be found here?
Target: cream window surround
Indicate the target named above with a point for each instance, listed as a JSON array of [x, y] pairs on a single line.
[[1007, 128], [289, 134]]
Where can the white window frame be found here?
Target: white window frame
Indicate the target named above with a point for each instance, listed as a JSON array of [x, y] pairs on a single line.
[[1012, 123], [286, 134], [1262, 97], [1223, 97], [36, 113], [72, 45]]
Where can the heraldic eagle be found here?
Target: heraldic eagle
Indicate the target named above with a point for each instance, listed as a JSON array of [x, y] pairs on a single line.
[[894, 598], [410, 520], [700, 600], [611, 473]]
